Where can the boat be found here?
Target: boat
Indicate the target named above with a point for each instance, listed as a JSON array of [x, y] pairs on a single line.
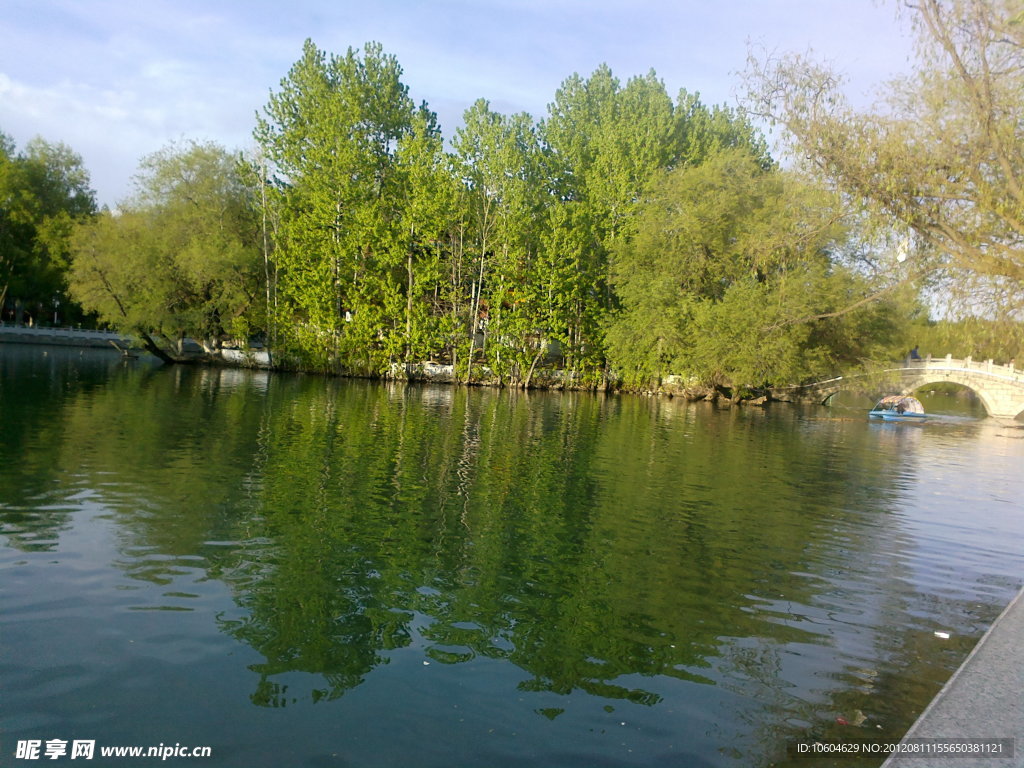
[[898, 408]]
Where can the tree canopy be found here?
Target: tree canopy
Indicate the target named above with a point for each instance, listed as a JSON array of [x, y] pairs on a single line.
[[180, 258], [730, 278], [941, 158], [43, 191]]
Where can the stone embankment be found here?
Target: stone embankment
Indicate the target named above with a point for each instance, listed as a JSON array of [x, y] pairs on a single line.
[[553, 378], [62, 337], [76, 337]]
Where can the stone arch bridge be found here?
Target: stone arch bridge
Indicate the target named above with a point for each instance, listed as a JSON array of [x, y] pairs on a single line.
[[999, 387]]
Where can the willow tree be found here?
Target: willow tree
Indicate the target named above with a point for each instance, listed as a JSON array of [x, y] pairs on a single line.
[[729, 279], [943, 158], [180, 258], [331, 133]]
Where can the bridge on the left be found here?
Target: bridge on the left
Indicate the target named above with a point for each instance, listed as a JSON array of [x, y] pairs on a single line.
[[62, 337]]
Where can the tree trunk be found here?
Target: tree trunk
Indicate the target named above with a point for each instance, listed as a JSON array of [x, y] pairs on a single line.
[[408, 310], [533, 366], [154, 349]]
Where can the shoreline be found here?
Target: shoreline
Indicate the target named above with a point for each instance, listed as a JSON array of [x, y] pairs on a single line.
[[426, 372]]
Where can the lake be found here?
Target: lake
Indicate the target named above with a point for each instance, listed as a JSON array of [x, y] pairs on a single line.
[[302, 571]]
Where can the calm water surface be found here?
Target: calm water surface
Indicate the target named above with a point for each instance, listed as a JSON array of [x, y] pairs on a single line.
[[306, 572]]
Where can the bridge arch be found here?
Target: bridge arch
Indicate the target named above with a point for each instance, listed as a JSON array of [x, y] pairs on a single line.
[[911, 385], [1000, 388]]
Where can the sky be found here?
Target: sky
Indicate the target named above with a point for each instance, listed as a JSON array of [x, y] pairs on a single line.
[[118, 80]]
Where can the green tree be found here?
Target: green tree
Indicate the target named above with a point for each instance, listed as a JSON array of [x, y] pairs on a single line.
[[501, 165], [180, 258], [428, 212], [43, 191], [16, 230], [727, 277], [608, 142], [332, 133]]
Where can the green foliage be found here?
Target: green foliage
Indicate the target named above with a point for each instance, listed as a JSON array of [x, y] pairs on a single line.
[[729, 281], [332, 133], [429, 194], [939, 158], [501, 164], [706, 131], [981, 339], [113, 271], [43, 191], [608, 143], [180, 258], [625, 229], [627, 233]]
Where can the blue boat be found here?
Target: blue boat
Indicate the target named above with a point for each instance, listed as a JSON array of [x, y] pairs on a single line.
[[898, 408]]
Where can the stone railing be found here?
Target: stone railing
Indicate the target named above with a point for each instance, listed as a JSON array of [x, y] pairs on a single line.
[[989, 367]]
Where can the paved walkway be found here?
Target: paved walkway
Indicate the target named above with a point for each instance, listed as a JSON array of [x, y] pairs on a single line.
[[983, 700]]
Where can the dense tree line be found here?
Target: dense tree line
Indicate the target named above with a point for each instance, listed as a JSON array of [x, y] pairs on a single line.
[[625, 238]]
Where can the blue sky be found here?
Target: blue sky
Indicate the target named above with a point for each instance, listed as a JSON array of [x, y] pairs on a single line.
[[117, 80]]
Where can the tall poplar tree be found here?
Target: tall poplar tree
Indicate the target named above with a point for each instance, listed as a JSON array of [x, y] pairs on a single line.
[[428, 212], [501, 166], [607, 141], [332, 133]]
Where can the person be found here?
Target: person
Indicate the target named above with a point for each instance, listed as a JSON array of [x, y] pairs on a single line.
[[914, 355]]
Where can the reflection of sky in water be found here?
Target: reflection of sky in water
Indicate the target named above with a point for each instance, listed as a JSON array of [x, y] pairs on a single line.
[[964, 511]]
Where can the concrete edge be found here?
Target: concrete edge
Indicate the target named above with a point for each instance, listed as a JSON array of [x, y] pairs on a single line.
[[896, 761]]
